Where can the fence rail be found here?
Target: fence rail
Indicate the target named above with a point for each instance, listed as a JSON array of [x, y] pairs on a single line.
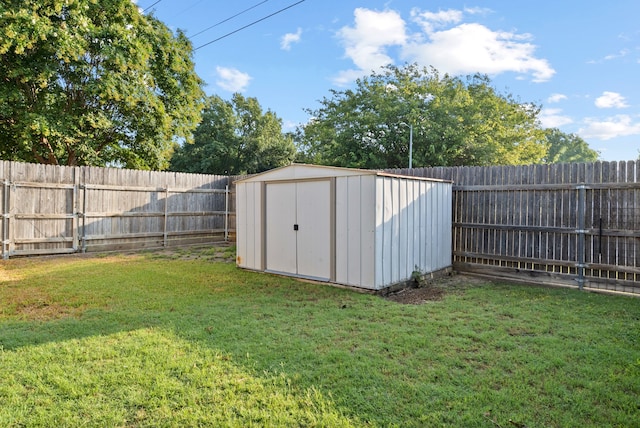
[[57, 210], [571, 224]]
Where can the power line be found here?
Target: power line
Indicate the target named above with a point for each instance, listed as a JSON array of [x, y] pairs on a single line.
[[149, 7], [249, 25], [228, 19], [188, 8]]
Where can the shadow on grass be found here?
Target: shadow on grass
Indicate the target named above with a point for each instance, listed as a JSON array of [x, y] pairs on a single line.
[[480, 357]]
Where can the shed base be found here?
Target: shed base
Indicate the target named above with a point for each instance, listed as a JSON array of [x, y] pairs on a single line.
[[413, 282], [410, 283]]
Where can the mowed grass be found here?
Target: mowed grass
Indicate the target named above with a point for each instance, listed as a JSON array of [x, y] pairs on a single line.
[[137, 340]]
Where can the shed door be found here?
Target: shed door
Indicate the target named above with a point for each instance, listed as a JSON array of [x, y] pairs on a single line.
[[281, 238], [298, 228]]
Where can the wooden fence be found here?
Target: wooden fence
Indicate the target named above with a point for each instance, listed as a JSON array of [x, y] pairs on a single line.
[[572, 224], [53, 209]]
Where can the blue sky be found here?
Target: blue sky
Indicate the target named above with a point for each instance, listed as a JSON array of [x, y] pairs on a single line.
[[579, 60]]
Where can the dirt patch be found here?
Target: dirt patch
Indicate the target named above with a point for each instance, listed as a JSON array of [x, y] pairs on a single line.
[[417, 295], [224, 253], [34, 303], [434, 289], [43, 311]]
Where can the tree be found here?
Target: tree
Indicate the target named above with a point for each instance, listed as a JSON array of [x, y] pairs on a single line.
[[86, 82], [235, 137], [566, 148], [454, 123]]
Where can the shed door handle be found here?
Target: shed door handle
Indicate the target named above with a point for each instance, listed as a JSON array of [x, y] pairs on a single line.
[[295, 227]]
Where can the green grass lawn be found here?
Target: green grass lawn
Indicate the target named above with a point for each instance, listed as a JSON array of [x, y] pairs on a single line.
[[141, 340]]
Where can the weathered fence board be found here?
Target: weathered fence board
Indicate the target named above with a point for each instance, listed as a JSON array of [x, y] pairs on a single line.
[[562, 223], [556, 223], [55, 209]]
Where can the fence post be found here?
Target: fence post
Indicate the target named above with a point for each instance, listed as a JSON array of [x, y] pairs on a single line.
[[226, 213], [5, 219], [83, 236], [76, 209], [9, 238], [581, 231], [166, 215]]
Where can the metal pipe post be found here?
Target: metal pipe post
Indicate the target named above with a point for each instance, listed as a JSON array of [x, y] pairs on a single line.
[[582, 193]]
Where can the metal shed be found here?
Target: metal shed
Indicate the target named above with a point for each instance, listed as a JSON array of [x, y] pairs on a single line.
[[360, 228]]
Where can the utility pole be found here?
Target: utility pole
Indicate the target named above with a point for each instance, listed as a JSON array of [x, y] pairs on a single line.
[[410, 145]]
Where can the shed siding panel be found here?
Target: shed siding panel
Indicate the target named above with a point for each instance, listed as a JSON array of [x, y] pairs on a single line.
[[387, 232], [253, 250], [241, 225], [342, 226], [430, 252], [354, 216], [248, 225], [414, 225], [379, 232], [395, 231], [403, 228], [251, 225], [367, 231], [423, 230], [355, 231]]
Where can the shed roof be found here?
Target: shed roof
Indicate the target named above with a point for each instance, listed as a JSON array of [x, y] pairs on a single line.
[[299, 171]]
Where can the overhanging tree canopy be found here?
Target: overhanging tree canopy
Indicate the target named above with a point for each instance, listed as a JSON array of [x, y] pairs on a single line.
[[454, 123], [87, 82]]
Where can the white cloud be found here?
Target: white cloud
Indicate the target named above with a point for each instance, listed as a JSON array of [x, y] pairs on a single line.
[[345, 77], [290, 38], [620, 54], [367, 41], [477, 10], [289, 125], [432, 20], [611, 100], [556, 98], [471, 48], [232, 80], [552, 118], [617, 126], [444, 41]]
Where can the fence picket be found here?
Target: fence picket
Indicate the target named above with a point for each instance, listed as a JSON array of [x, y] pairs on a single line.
[[56, 209], [511, 221], [523, 220]]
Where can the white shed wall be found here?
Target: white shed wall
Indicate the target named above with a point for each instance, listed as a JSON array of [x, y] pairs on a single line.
[[413, 228], [249, 225], [355, 230]]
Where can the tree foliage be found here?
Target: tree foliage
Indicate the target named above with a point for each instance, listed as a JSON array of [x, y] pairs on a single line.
[[88, 82], [454, 122], [566, 148], [235, 137]]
